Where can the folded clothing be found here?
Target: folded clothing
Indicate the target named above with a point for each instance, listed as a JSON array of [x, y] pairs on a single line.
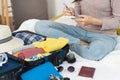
[[51, 44], [27, 53]]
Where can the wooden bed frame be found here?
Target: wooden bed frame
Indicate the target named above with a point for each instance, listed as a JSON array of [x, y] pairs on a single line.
[[5, 12]]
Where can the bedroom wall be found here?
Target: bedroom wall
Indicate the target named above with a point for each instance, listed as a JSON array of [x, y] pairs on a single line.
[[55, 7], [10, 17], [9, 4], [1, 7]]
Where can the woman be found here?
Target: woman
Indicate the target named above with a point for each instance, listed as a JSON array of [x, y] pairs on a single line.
[[95, 35]]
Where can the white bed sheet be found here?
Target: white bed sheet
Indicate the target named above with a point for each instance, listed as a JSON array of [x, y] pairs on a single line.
[[106, 69]]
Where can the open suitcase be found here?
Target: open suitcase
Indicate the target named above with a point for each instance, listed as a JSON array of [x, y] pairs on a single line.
[[56, 57]]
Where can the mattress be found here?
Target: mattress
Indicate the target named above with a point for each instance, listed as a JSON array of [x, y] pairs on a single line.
[[106, 69]]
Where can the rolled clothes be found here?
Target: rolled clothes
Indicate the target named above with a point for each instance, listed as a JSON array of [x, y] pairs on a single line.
[[22, 48], [27, 53]]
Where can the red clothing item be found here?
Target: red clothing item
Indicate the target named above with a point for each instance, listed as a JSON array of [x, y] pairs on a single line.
[[27, 53]]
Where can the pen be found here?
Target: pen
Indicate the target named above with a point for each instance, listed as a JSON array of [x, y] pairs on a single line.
[[67, 7]]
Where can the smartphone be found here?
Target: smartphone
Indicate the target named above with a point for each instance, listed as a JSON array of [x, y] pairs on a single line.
[[74, 17]]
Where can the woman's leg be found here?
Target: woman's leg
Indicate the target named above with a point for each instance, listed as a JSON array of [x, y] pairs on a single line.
[[100, 45], [48, 28]]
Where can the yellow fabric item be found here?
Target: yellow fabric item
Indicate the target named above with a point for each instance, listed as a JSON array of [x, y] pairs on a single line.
[[51, 44], [118, 31], [16, 54]]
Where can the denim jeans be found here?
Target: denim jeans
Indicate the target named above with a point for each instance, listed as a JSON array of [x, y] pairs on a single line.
[[99, 44]]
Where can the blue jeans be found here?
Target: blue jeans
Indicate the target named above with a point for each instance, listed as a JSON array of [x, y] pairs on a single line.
[[99, 44]]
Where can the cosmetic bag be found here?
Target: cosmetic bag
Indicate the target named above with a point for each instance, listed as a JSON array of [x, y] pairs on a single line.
[[56, 57], [12, 69]]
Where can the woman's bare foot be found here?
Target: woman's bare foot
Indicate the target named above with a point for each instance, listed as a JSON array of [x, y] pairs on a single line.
[[84, 43]]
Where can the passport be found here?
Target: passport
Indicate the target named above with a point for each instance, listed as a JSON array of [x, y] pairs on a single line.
[[86, 71]]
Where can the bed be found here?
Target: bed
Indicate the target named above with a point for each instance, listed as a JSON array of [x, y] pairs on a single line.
[[106, 69]]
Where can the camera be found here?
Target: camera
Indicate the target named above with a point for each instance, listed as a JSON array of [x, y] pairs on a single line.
[[70, 58]]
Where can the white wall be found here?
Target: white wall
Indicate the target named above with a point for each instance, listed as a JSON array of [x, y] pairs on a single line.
[[9, 3], [55, 7], [0, 7]]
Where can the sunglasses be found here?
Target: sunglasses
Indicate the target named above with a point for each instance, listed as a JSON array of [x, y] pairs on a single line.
[[70, 68]]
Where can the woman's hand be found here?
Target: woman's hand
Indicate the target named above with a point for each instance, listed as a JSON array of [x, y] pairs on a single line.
[[84, 20], [68, 11]]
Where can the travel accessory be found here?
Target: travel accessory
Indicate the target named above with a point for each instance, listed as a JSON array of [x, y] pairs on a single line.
[[7, 41], [70, 68], [3, 59], [12, 69], [41, 72], [28, 37], [87, 71], [70, 58]]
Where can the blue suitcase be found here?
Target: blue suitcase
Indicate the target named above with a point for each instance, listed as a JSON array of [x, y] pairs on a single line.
[[12, 69]]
